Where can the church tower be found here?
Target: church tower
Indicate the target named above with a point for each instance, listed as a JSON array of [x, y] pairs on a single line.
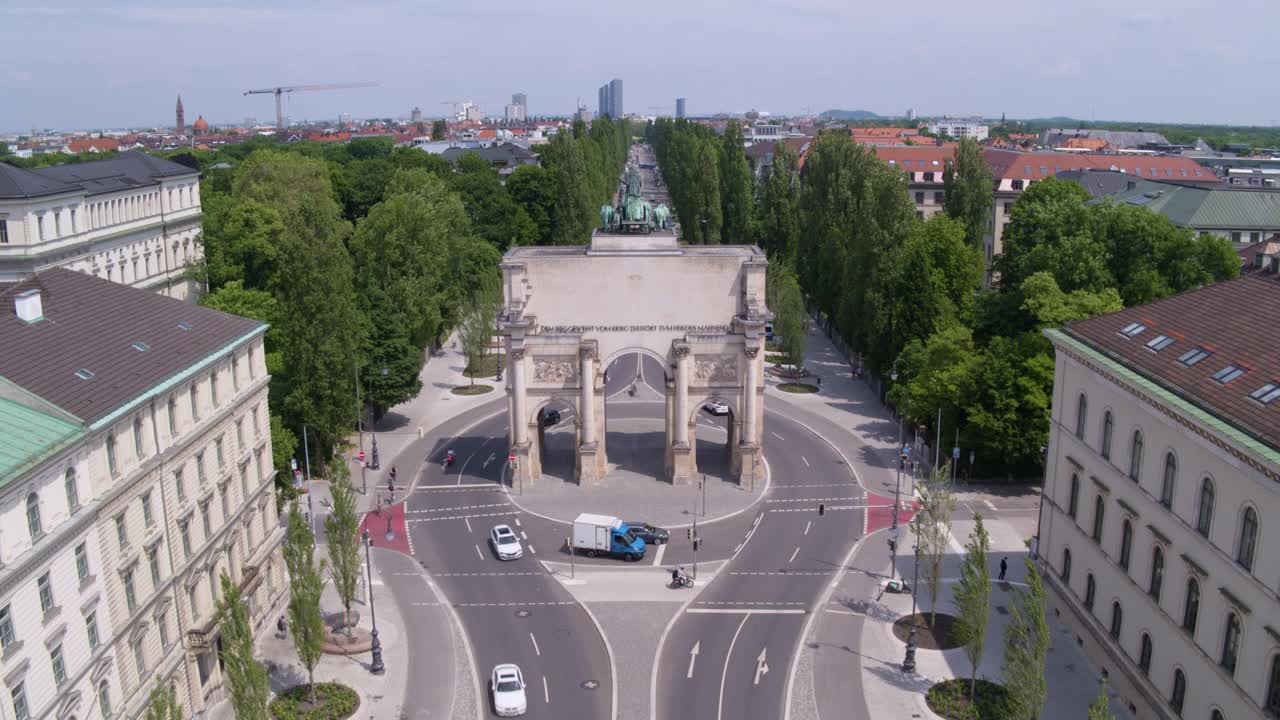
[[181, 126]]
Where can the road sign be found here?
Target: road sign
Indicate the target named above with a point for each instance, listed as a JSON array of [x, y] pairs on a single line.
[[955, 453], [293, 463], [360, 456], [511, 457]]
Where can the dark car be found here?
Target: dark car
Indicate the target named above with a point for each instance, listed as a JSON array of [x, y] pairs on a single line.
[[550, 417], [651, 534]]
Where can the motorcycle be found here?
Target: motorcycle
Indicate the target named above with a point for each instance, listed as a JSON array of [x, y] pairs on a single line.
[[448, 460]]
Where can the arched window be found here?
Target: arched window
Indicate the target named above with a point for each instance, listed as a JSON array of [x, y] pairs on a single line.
[[1135, 455], [1170, 474], [137, 437], [1082, 412], [1126, 543], [73, 493], [112, 467], [33, 516], [1090, 590], [1117, 619], [1248, 539], [1191, 607], [104, 699], [1231, 643], [1073, 502], [1099, 512], [1273, 687], [1066, 565], [1179, 693], [1144, 654], [1157, 573], [1216, 715], [1204, 515], [1107, 423]]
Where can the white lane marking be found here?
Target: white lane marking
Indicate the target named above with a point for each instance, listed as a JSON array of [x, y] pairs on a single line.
[[479, 553], [464, 467], [747, 602], [817, 499], [468, 522], [657, 557], [533, 550], [517, 522], [456, 507], [534, 640], [793, 554], [762, 667], [843, 612], [465, 487], [777, 436], [725, 673], [546, 693], [461, 517], [747, 611], [806, 461], [482, 574], [523, 536], [693, 658], [988, 504], [807, 524], [516, 604]]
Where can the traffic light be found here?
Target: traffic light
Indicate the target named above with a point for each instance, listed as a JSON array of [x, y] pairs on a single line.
[[822, 509], [893, 545], [689, 532], [697, 542]]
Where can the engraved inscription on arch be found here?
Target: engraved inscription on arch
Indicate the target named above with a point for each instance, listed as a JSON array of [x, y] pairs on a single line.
[[716, 369], [555, 369]]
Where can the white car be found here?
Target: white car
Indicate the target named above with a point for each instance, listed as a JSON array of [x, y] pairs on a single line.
[[715, 407], [505, 543], [508, 691]]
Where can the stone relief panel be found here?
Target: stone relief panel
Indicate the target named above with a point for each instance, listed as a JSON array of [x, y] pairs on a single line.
[[555, 369], [716, 369]]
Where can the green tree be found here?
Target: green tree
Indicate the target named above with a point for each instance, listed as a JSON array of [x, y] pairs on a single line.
[[284, 447], [1051, 229], [790, 318], [1026, 644], [163, 703], [574, 209], [439, 129], [534, 190], [365, 185], [933, 530], [736, 199], [475, 331], [970, 191], [1100, 707], [305, 587], [246, 678], [340, 528], [495, 216], [778, 210], [241, 240], [973, 599]]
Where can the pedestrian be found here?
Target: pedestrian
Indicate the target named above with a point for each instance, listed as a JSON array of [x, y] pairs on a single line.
[[819, 379], [393, 473], [282, 629], [1004, 567]]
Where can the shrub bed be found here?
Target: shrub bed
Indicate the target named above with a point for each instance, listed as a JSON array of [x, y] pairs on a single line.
[[487, 367], [775, 358], [798, 387], [950, 699], [333, 702], [478, 389]]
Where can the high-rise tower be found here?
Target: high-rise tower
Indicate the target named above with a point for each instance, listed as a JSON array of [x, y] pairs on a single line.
[[180, 127]]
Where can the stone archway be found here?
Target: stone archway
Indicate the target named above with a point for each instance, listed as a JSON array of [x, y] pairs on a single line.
[[568, 312]]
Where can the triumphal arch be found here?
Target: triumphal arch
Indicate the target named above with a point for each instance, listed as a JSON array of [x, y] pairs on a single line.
[[569, 311]]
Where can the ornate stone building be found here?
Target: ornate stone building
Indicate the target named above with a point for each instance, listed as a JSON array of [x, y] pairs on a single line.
[[1161, 492], [135, 471], [133, 219]]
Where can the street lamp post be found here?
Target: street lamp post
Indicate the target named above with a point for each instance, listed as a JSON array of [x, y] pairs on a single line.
[[373, 429], [909, 662], [897, 492], [376, 667]]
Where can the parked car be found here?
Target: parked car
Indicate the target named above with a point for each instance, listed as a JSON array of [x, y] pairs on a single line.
[[715, 407], [505, 543], [550, 417], [508, 691], [651, 534]]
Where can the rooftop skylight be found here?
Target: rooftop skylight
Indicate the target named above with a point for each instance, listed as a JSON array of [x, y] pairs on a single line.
[[1132, 329], [1193, 356], [1159, 342], [1266, 393], [84, 374], [1228, 373]]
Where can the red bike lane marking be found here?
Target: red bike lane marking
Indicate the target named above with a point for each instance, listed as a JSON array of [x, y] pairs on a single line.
[[880, 511], [376, 524]]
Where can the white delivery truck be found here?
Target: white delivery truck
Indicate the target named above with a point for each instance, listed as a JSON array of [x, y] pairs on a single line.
[[606, 535]]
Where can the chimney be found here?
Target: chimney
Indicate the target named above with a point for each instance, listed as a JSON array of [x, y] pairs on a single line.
[[28, 307]]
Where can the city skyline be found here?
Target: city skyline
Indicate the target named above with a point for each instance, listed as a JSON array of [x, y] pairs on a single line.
[[817, 58]]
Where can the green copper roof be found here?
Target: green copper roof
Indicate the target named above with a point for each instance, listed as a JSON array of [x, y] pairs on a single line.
[[28, 436], [1196, 207]]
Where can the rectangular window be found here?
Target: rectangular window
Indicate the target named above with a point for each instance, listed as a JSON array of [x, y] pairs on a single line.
[[147, 517], [173, 418], [938, 198], [213, 387], [184, 528], [4, 231], [193, 602], [244, 481], [91, 629], [204, 521], [257, 426], [1266, 393], [217, 453], [200, 468], [1132, 329], [121, 533], [82, 562], [194, 395], [1159, 343], [153, 561], [1191, 357], [235, 372], [179, 485], [59, 667], [1235, 236], [919, 198], [19, 694], [6, 627], [130, 598], [1228, 373], [222, 493], [240, 433], [45, 587], [162, 624], [112, 467], [140, 659]]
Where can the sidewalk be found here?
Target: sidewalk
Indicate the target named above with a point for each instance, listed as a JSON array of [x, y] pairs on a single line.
[[849, 664]]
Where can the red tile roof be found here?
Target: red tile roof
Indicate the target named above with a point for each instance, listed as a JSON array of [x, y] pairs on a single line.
[[926, 158], [1222, 318], [1010, 164], [93, 144]]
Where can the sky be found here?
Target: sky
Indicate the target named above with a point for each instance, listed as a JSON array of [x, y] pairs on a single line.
[[105, 64]]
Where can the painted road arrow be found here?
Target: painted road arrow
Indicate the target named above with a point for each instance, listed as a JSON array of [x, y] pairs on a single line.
[[761, 666], [693, 658], [488, 460]]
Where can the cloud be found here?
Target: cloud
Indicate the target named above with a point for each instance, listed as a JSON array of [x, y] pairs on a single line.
[[1064, 68]]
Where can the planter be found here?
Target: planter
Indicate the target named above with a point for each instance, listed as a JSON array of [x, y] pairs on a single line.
[[334, 701]]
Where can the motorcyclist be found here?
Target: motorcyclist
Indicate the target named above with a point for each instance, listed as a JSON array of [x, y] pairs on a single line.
[[448, 458]]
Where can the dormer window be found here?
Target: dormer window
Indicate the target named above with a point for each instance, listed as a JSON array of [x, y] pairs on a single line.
[[1159, 343], [1132, 329], [1259, 260], [1228, 373]]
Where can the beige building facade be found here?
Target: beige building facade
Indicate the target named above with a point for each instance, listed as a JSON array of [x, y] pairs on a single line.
[[1163, 472]]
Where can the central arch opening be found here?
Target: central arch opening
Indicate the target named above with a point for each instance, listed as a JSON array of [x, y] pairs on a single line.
[[635, 407], [712, 433]]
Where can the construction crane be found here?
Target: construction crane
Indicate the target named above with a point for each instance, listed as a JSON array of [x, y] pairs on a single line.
[[279, 91], [454, 104]]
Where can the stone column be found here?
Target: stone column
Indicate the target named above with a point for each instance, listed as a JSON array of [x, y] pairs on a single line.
[[587, 357], [519, 423], [682, 396], [749, 397]]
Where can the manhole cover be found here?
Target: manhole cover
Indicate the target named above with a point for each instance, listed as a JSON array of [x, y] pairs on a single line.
[[523, 613], [590, 684], [1002, 610], [813, 645]]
